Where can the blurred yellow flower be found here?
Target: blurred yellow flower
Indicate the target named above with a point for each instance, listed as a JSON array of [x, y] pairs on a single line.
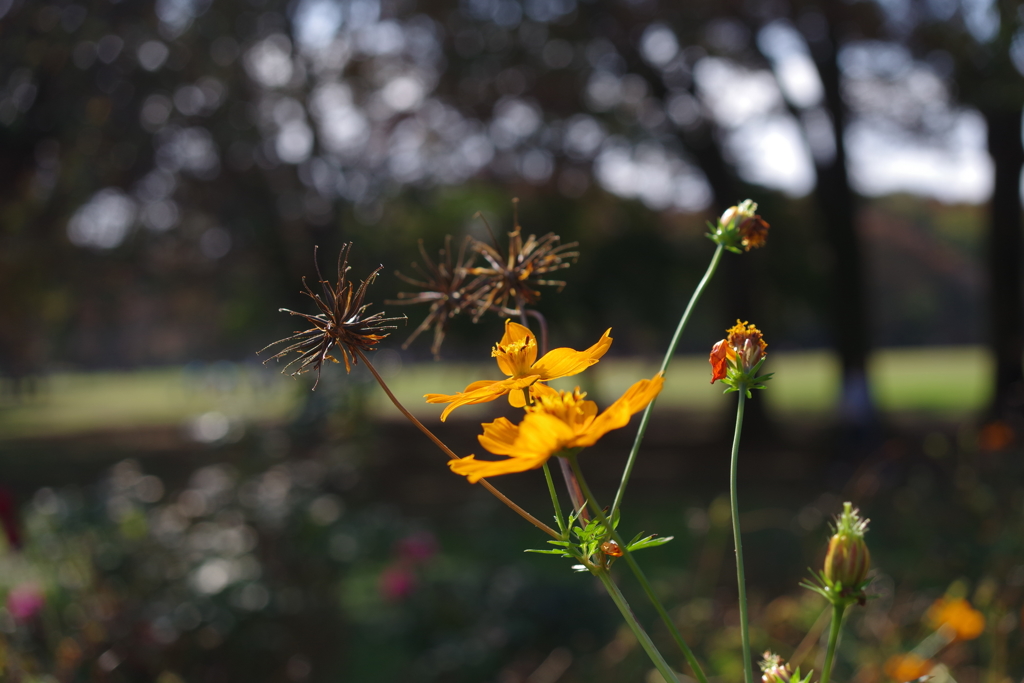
[[557, 421], [908, 667], [957, 614], [516, 355]]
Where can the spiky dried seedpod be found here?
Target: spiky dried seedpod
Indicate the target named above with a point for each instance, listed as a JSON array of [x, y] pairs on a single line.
[[342, 322], [446, 287], [508, 281]]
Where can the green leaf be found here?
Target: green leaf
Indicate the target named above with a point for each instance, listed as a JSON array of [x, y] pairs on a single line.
[[548, 552], [651, 541]]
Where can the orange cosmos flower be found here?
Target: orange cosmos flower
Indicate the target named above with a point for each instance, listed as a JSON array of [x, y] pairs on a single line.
[[744, 346], [557, 421], [957, 614], [516, 354], [908, 667]]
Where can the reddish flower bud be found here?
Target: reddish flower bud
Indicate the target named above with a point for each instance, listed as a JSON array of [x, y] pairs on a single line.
[[611, 548]]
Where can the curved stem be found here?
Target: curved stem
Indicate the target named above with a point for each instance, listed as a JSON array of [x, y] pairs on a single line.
[[543, 324], [637, 572], [440, 444], [646, 418], [748, 671], [833, 640], [521, 307], [645, 640]]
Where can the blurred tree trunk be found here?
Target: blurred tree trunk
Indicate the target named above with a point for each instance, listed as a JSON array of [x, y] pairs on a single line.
[[838, 209], [1005, 301]]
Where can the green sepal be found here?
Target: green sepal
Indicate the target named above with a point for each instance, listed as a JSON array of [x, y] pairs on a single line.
[[796, 678], [834, 592]]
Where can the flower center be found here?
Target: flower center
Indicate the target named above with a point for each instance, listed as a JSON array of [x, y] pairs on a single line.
[[516, 357], [569, 407]]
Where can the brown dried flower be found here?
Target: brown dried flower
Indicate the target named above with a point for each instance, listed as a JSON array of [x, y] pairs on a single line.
[[511, 278], [445, 288], [341, 322]]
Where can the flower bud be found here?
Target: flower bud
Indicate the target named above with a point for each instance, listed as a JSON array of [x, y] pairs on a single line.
[[744, 345], [773, 669], [747, 344], [746, 209], [847, 561], [611, 548]]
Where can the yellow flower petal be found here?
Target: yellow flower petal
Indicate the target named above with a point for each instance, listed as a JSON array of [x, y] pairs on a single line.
[[555, 422], [477, 392], [515, 332], [475, 470], [499, 436], [636, 398], [517, 398], [516, 351], [541, 435], [565, 362]]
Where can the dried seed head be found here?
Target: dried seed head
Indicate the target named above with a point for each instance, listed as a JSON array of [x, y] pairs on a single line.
[[342, 322], [446, 288], [508, 281]]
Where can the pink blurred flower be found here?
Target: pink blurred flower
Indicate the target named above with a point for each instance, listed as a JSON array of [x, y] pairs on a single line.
[[418, 547], [397, 582], [24, 601]]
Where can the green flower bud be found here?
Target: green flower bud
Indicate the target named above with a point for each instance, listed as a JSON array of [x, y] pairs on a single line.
[[847, 561]]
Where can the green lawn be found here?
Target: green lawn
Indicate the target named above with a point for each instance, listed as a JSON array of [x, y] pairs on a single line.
[[950, 382]]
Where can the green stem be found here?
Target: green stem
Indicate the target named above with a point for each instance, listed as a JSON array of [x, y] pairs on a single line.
[[833, 640], [748, 671], [645, 640], [554, 499], [644, 583], [646, 417]]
